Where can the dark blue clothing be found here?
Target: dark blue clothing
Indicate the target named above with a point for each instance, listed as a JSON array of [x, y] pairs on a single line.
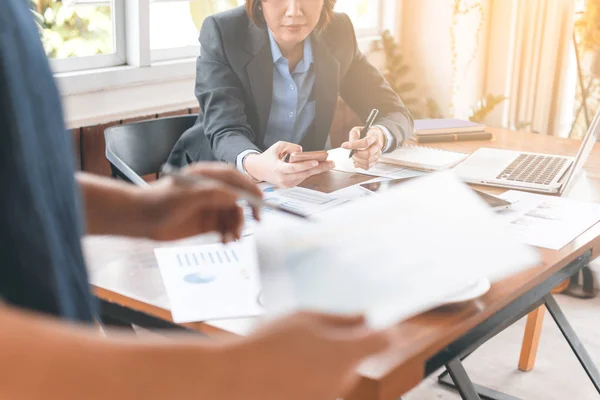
[[41, 261]]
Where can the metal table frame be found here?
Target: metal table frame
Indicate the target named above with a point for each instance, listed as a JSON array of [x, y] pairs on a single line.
[[456, 376]]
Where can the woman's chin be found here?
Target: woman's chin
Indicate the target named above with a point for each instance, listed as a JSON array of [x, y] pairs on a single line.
[[294, 36]]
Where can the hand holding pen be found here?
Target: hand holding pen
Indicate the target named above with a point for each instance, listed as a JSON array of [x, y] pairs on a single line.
[[367, 143]]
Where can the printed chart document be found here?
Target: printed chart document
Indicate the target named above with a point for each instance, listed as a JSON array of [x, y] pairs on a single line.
[[366, 257], [211, 281], [304, 201], [547, 221], [342, 163]]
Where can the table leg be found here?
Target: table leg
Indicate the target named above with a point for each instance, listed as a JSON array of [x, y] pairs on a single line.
[[571, 337], [461, 380], [531, 339], [457, 378], [524, 305]]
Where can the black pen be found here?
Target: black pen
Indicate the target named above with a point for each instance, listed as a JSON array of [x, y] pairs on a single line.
[[367, 126], [168, 170]]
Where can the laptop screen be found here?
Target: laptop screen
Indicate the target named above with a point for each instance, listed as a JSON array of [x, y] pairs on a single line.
[[587, 144]]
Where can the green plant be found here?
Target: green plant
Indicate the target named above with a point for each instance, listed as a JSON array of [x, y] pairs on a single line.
[[73, 31], [485, 106], [397, 73], [586, 39], [462, 8], [587, 26]]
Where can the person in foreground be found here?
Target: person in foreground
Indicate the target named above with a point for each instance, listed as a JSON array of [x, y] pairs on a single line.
[[43, 278], [268, 79]]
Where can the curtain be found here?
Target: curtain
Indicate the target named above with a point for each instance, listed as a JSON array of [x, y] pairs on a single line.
[[528, 51]]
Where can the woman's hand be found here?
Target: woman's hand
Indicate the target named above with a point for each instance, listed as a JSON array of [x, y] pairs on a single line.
[[368, 149], [270, 167]]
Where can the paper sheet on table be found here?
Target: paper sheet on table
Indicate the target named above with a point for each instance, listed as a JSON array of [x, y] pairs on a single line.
[[547, 221], [342, 163], [304, 201], [211, 281], [390, 256]]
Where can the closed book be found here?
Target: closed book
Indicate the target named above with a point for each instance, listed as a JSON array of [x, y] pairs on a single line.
[[423, 158], [452, 137], [446, 125]]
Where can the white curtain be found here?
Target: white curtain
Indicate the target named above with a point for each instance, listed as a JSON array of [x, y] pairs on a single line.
[[528, 49]]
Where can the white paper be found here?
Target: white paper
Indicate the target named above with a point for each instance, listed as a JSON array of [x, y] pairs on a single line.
[[344, 164], [211, 281], [304, 201], [389, 256], [547, 221]]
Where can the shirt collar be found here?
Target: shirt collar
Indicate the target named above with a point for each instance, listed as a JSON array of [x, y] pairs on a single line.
[[306, 61]]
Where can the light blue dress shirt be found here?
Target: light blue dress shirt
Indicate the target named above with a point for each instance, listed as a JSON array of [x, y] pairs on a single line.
[[293, 102]]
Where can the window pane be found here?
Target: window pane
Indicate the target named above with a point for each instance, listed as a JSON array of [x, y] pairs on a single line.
[[69, 29], [176, 24], [363, 13]]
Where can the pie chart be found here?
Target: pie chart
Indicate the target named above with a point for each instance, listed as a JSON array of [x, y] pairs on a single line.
[[199, 277]]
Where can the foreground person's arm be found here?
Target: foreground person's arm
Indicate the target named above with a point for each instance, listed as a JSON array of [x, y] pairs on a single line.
[[166, 209], [304, 356]]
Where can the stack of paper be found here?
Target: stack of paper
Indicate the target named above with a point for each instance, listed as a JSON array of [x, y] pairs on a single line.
[[388, 256]]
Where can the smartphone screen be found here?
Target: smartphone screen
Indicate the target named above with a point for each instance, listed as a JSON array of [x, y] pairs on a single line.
[[378, 187]]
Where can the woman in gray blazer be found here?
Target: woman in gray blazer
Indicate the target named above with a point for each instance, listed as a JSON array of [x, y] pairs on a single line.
[[267, 82]]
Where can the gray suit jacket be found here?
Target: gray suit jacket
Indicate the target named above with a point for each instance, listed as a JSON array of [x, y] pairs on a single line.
[[234, 85]]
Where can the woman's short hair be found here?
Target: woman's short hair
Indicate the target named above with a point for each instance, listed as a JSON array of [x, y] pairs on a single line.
[[254, 11]]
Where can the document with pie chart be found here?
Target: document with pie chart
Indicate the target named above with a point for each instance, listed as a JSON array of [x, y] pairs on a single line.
[[212, 281]]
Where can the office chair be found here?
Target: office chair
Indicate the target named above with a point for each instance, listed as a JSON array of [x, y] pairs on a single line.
[[141, 148], [138, 149]]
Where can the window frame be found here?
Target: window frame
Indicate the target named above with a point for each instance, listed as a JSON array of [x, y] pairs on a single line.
[[95, 89], [73, 64], [173, 53]]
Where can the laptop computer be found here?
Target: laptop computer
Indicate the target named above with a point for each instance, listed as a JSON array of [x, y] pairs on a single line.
[[535, 172]]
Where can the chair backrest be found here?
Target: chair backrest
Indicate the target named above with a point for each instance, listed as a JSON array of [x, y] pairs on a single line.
[[141, 148]]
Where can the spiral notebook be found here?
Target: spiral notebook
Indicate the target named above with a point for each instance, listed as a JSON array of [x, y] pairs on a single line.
[[423, 158]]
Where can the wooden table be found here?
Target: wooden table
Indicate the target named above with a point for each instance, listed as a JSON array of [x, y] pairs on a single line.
[[425, 342]]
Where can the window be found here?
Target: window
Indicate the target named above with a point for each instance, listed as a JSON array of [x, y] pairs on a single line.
[[366, 15], [88, 34], [116, 59], [175, 24], [80, 34]]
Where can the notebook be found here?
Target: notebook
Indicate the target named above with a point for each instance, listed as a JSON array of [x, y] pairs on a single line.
[[445, 126], [423, 158], [451, 137]]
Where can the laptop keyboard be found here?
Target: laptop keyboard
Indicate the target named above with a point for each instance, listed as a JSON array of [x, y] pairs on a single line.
[[533, 168]]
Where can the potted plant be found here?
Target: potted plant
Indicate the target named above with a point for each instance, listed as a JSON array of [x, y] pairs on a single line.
[[587, 28]]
